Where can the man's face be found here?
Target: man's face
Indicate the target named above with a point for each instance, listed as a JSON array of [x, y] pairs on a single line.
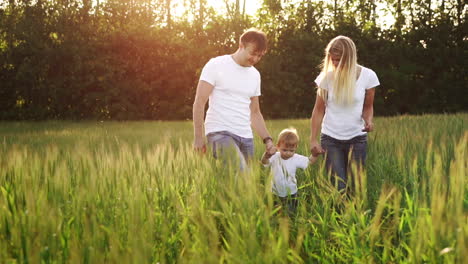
[[249, 55]]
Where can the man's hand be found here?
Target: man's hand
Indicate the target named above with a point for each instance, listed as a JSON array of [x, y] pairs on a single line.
[[368, 126], [199, 145], [270, 147], [204, 90], [316, 149]]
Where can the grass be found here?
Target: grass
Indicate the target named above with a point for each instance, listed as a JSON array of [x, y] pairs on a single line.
[[135, 192]]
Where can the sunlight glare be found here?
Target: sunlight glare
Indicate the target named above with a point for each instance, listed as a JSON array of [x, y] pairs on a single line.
[[385, 18], [251, 6]]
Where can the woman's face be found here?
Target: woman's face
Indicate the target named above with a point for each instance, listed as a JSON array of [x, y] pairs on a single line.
[[335, 59]]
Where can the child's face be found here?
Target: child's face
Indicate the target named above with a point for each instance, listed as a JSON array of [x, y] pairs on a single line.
[[286, 152]]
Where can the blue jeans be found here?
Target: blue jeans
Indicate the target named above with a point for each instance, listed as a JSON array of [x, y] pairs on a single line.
[[338, 153], [223, 143]]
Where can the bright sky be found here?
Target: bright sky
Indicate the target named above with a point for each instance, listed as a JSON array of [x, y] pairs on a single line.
[[251, 6]]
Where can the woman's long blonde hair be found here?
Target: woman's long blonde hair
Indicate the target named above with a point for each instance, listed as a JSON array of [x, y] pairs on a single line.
[[342, 77]]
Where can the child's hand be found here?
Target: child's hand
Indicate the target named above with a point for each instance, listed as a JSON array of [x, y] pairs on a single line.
[[266, 158], [313, 159], [267, 155], [270, 148], [316, 149]]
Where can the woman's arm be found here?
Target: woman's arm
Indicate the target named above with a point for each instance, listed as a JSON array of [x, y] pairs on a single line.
[[316, 122], [368, 110]]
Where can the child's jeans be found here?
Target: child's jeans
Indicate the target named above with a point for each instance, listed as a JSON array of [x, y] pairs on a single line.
[[289, 203], [337, 157]]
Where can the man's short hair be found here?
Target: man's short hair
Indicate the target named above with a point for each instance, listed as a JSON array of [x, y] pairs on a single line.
[[256, 37]]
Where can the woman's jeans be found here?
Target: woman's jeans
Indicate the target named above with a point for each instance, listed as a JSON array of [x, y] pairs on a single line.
[[341, 155], [231, 148]]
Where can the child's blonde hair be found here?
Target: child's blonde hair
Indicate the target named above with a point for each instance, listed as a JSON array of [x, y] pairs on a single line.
[[342, 77], [288, 137]]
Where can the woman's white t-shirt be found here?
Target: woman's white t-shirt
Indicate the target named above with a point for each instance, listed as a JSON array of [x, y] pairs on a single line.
[[284, 181], [229, 103], [345, 122]]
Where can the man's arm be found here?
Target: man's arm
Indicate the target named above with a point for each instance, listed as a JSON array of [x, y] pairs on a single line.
[[258, 125], [316, 122], [368, 110], [204, 89]]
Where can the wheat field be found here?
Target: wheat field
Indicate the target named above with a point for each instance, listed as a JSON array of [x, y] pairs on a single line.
[[135, 192]]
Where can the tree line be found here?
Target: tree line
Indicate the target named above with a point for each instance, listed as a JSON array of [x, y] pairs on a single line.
[[141, 59]]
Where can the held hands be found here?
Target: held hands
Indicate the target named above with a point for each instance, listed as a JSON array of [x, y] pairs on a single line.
[[270, 148], [267, 155], [312, 159], [316, 149]]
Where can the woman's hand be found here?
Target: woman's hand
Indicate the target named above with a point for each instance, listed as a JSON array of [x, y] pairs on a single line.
[[368, 126], [368, 110], [316, 149]]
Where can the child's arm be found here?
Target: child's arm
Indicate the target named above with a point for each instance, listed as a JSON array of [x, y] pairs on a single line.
[[266, 158], [313, 159]]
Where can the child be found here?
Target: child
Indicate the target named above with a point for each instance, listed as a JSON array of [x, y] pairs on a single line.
[[283, 166]]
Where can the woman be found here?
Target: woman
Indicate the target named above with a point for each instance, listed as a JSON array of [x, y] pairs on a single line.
[[343, 109]]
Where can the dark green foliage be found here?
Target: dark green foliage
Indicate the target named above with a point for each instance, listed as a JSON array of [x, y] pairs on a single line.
[[124, 59]]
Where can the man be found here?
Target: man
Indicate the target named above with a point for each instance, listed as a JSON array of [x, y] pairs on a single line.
[[232, 85]]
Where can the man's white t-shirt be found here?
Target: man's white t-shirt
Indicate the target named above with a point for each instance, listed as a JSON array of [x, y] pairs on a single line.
[[229, 103], [284, 173], [345, 122]]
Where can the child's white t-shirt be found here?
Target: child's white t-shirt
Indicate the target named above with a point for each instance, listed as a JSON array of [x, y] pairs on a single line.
[[345, 122], [284, 173], [229, 103]]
